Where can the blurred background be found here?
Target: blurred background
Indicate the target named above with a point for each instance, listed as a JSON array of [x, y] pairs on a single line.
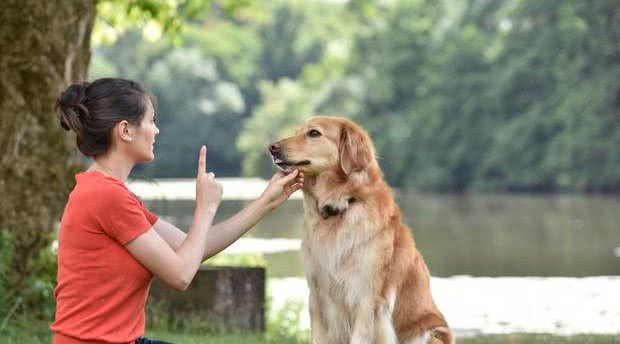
[[496, 121], [502, 96]]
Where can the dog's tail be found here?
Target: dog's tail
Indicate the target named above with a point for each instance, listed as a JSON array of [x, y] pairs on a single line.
[[442, 335]]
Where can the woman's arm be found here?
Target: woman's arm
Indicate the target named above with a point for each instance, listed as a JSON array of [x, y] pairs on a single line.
[[223, 234], [220, 235], [177, 266]]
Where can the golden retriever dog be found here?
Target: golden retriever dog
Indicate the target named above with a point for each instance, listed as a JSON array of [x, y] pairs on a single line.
[[368, 283]]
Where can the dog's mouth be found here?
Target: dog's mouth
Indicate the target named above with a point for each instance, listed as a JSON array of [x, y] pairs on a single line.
[[286, 165]]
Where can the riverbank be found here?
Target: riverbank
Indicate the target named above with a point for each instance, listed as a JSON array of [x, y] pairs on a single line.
[[477, 306]]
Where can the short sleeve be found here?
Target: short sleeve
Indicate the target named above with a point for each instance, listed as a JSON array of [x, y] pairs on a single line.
[[150, 217], [122, 216]]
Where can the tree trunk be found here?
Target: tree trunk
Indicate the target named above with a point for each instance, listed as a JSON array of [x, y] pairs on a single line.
[[44, 46]]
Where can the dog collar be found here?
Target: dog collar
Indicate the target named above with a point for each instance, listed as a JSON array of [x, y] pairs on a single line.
[[328, 211]]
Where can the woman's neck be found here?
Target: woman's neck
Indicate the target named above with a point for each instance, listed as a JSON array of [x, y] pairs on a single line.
[[113, 166]]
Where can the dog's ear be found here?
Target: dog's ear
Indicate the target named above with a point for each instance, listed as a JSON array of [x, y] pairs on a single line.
[[354, 149]]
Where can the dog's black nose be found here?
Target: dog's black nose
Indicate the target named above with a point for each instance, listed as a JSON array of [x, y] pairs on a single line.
[[275, 148]]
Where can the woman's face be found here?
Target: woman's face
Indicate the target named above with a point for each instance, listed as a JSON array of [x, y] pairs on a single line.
[[144, 137]]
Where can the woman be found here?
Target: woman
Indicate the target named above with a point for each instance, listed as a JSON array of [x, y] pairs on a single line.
[[109, 244]]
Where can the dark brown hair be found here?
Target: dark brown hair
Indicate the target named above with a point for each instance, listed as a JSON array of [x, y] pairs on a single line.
[[92, 109]]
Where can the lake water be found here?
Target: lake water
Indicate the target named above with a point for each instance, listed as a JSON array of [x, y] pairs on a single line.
[[500, 263], [478, 235]]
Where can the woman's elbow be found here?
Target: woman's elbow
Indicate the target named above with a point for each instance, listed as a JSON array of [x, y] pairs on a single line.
[[185, 281], [179, 283], [181, 287]]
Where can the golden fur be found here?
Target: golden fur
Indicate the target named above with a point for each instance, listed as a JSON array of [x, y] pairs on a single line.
[[368, 283]]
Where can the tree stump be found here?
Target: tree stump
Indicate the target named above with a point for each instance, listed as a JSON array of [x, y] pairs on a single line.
[[219, 299]]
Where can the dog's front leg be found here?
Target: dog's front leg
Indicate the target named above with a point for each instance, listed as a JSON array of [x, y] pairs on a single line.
[[318, 330], [364, 325]]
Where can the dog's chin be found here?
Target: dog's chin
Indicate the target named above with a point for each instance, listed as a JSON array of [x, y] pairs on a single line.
[[284, 168], [288, 166]]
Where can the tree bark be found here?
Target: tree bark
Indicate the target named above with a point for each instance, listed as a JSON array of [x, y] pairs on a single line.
[[44, 46]]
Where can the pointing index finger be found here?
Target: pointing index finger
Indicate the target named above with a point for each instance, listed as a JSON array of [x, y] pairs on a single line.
[[202, 160]]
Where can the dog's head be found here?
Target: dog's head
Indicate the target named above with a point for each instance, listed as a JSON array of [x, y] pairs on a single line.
[[325, 144]]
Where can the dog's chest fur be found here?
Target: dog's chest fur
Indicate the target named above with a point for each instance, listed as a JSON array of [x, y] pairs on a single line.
[[338, 258]]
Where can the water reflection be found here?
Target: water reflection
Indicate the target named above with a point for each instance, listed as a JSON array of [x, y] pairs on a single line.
[[479, 235]]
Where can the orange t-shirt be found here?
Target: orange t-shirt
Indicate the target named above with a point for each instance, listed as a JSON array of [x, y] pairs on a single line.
[[102, 289]]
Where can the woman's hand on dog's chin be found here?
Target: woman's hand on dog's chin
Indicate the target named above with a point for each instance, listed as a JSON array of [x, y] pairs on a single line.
[[281, 186]]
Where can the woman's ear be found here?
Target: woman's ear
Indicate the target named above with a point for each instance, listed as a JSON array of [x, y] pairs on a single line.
[[354, 150], [124, 131]]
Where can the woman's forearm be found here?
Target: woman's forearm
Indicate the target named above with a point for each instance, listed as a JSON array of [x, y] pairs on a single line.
[[220, 235], [223, 234], [173, 256], [191, 249]]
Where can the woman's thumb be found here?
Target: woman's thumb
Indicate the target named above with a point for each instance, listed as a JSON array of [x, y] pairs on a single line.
[[287, 178]]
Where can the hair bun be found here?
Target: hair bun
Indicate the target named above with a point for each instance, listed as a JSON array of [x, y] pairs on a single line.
[[72, 108]]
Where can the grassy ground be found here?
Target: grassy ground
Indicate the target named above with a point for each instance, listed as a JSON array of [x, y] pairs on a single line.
[[540, 339], [36, 332], [499, 339]]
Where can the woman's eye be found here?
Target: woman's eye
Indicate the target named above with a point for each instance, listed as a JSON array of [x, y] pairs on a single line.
[[314, 133]]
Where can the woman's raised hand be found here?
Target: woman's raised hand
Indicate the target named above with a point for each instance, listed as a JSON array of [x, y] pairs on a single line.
[[281, 187], [208, 190]]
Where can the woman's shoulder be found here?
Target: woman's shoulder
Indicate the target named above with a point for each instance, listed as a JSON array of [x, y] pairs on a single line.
[[97, 186], [96, 179]]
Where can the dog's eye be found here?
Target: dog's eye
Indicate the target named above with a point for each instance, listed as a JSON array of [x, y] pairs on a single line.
[[314, 133]]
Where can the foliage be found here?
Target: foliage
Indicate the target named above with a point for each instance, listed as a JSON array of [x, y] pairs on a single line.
[[216, 103], [6, 256], [278, 60], [36, 295], [562, 89], [154, 17], [285, 105], [481, 95], [500, 95], [317, 84], [284, 325], [201, 101]]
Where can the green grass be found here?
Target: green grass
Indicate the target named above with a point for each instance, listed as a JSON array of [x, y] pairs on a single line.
[[23, 330], [224, 339], [499, 339], [30, 331], [541, 339]]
